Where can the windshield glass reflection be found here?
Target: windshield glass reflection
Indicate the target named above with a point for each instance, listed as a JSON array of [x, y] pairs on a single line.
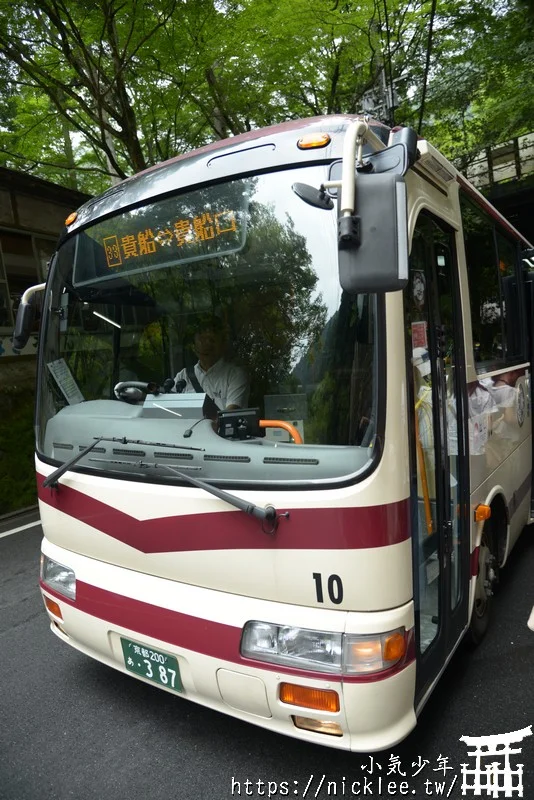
[[165, 322]]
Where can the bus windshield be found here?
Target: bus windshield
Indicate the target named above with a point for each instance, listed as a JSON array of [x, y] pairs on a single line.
[[130, 299]]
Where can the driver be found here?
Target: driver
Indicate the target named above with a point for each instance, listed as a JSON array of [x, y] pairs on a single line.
[[225, 383]]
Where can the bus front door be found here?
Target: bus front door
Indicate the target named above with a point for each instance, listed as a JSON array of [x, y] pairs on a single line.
[[439, 469]]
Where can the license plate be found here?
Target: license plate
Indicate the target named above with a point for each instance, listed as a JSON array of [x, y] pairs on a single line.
[[152, 664]]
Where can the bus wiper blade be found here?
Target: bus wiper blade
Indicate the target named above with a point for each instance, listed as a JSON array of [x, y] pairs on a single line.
[[54, 476], [140, 464], [268, 515], [124, 440]]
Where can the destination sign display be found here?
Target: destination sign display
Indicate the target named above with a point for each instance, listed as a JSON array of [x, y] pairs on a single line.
[[183, 233], [206, 223]]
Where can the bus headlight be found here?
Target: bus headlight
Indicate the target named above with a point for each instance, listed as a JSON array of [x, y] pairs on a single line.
[[323, 651], [58, 577], [294, 647]]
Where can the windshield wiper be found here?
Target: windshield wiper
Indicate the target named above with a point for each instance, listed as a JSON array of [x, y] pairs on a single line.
[[52, 479], [54, 476], [124, 440], [268, 515]]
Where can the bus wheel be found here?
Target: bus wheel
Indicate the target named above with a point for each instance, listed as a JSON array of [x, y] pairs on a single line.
[[484, 587]]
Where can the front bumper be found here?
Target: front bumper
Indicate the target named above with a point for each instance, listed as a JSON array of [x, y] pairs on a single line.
[[202, 628]]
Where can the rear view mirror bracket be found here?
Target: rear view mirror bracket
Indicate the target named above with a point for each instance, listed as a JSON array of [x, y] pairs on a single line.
[[349, 231], [25, 318]]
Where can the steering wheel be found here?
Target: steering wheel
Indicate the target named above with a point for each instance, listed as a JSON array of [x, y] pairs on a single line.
[[134, 391]]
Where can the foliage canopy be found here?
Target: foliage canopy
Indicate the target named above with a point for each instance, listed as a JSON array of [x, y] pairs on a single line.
[[94, 91]]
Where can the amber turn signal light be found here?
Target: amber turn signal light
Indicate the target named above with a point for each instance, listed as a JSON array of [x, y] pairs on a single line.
[[311, 140], [394, 647], [307, 697], [482, 512], [53, 607]]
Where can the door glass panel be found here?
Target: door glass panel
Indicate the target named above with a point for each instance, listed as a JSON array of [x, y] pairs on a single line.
[[432, 320], [425, 518], [446, 311]]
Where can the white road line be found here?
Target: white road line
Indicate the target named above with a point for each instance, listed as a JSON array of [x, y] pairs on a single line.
[[22, 528]]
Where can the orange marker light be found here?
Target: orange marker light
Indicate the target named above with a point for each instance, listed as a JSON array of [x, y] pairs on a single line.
[[394, 647], [71, 218], [482, 512], [53, 607], [311, 140], [307, 697]]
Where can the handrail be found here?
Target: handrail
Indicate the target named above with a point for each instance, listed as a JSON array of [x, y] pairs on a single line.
[[280, 423], [422, 469]]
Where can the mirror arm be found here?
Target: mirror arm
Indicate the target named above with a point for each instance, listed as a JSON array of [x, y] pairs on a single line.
[[349, 224], [331, 185], [356, 134], [30, 291], [25, 318]]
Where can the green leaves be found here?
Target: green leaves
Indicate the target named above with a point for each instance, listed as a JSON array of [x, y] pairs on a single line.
[[480, 90], [105, 88]]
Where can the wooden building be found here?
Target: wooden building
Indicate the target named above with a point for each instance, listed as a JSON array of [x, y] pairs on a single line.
[[32, 215]]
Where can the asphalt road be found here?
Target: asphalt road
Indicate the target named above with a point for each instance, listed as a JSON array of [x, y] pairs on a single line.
[[72, 728]]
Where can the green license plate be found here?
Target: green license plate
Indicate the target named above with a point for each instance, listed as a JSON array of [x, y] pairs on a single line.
[[152, 664]]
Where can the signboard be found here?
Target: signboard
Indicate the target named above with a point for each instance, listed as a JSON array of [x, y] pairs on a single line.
[[419, 335], [65, 380], [202, 224]]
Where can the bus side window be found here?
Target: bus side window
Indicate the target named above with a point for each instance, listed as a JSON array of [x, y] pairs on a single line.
[[497, 320]]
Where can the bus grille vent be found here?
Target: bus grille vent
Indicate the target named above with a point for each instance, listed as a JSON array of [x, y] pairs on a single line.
[[180, 456], [242, 459], [117, 451], [311, 462], [61, 446], [94, 450]]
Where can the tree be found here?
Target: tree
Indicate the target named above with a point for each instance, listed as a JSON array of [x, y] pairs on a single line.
[[480, 82], [112, 86], [81, 59]]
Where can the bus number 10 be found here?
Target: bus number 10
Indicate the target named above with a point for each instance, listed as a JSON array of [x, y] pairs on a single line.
[[334, 587]]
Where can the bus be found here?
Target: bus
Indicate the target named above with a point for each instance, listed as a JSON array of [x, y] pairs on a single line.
[[307, 555]]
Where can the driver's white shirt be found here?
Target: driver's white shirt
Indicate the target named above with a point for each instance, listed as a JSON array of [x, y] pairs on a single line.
[[225, 383]]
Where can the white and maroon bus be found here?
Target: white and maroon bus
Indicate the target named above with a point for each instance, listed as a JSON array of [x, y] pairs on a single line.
[[311, 562]]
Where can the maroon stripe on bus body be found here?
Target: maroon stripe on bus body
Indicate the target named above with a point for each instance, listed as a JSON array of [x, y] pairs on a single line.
[[474, 561], [306, 528], [215, 639]]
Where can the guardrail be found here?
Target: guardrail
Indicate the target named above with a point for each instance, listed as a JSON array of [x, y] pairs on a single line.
[[510, 161]]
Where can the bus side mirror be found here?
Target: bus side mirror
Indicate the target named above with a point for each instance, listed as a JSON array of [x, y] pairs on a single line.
[[25, 318], [23, 326], [375, 257]]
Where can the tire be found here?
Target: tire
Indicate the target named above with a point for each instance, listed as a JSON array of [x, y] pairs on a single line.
[[484, 588]]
